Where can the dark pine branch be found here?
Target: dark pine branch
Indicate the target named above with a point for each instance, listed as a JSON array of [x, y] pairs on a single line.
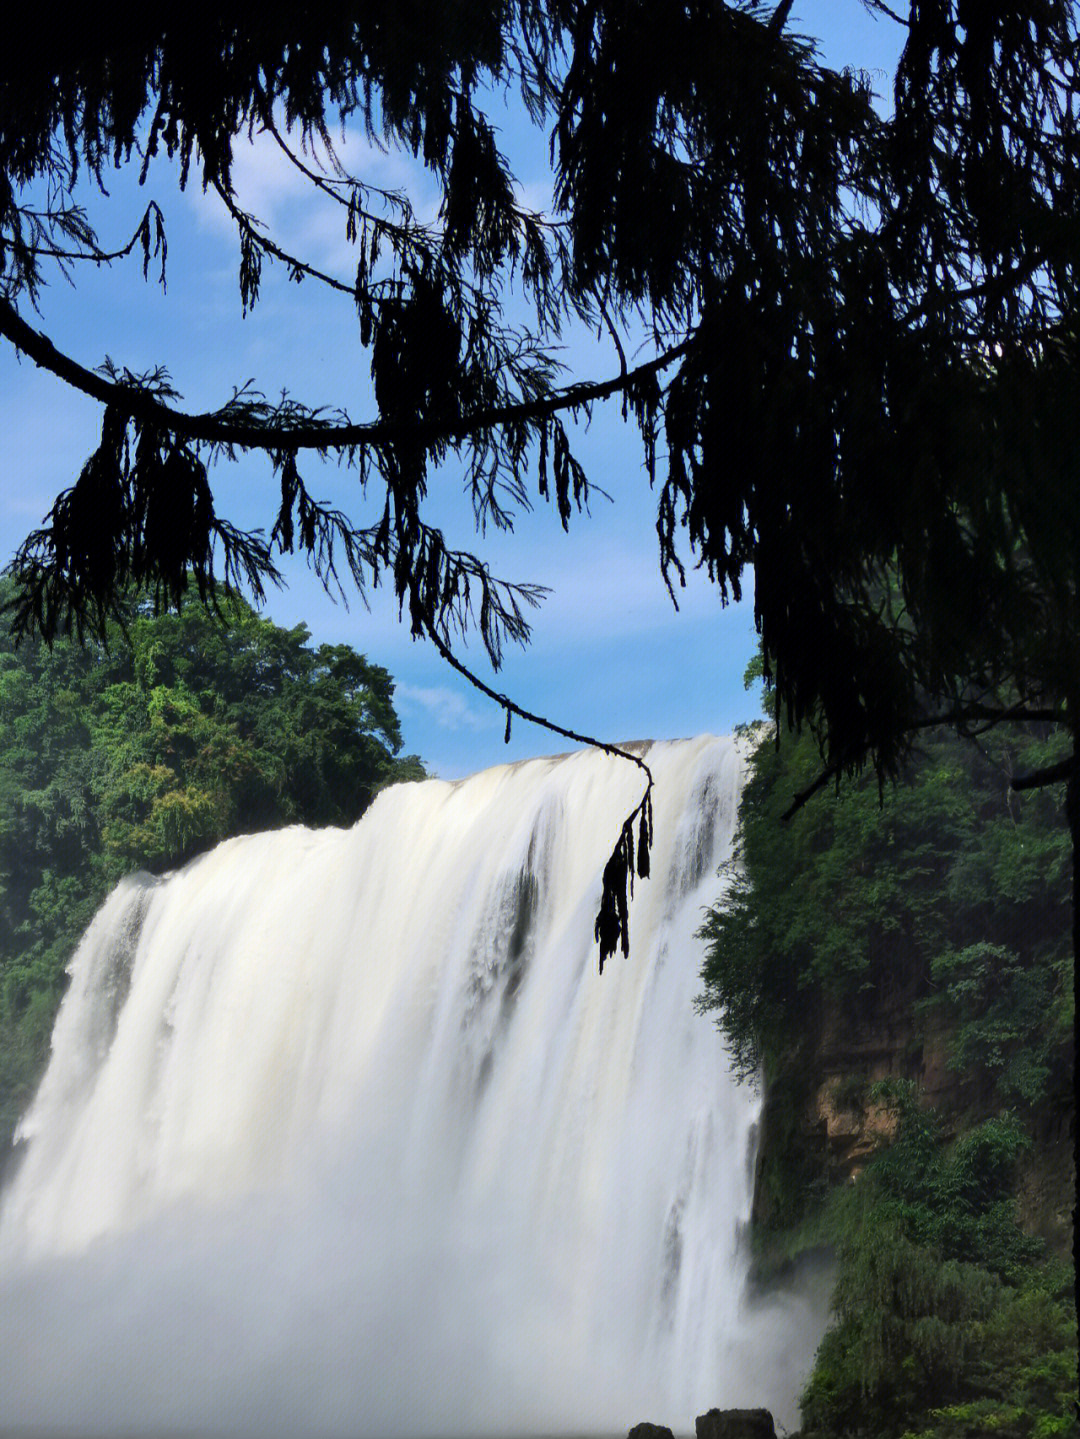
[[216, 428]]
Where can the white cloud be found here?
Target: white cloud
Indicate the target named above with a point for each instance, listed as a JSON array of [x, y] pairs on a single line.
[[443, 707], [270, 187], [536, 195]]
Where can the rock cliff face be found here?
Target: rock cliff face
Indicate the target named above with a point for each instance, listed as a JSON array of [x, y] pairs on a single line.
[[1047, 1181], [820, 1113], [852, 1128], [850, 1055]]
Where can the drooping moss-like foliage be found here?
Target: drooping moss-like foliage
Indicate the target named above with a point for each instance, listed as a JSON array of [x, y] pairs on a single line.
[[860, 321]]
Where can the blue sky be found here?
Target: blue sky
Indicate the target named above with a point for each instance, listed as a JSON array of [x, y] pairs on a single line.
[[609, 656]]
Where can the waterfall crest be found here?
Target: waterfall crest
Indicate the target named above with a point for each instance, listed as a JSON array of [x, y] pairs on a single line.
[[342, 1134]]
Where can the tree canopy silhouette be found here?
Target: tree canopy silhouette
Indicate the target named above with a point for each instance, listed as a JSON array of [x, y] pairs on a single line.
[[862, 379]]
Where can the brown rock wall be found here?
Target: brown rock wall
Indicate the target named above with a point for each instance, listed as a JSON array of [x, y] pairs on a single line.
[[844, 1129]]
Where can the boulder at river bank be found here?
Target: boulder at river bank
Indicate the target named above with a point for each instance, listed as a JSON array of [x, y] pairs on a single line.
[[650, 1431], [735, 1424]]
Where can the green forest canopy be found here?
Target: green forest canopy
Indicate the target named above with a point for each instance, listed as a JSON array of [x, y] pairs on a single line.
[[949, 888], [862, 338], [186, 729]]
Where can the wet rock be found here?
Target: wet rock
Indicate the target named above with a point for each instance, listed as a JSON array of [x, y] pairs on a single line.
[[650, 1431], [735, 1424]]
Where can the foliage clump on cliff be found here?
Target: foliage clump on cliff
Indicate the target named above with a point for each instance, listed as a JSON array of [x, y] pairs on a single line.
[[948, 1319], [937, 913], [185, 730]]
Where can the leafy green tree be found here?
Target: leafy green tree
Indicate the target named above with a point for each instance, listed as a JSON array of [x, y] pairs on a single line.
[[1002, 1004], [208, 729], [863, 336], [48, 824]]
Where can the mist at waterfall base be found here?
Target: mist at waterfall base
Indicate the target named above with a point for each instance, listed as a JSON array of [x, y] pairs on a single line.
[[342, 1134]]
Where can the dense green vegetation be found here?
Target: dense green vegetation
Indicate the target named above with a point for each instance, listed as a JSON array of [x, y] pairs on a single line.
[[184, 730], [948, 889], [937, 912], [949, 1322]]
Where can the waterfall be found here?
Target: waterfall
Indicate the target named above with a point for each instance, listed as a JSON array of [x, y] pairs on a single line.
[[342, 1133]]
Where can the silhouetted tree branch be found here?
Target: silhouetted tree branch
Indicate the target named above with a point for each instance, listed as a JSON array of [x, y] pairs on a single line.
[[864, 328]]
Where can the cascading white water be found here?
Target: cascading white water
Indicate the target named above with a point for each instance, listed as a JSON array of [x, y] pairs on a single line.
[[343, 1134]]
